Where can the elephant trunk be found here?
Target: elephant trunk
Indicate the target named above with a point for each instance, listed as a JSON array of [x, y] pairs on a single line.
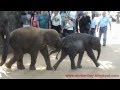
[[99, 52]]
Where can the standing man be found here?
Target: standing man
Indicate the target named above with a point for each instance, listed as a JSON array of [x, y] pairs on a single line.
[[43, 19], [93, 25], [84, 23], [104, 20], [56, 21], [79, 16]]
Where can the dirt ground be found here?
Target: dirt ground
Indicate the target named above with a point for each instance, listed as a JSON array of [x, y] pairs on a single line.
[[109, 60]]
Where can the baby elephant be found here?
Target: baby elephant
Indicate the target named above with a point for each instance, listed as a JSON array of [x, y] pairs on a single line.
[[32, 40], [77, 43]]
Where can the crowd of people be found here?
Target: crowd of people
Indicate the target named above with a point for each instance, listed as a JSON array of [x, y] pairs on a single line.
[[67, 22]]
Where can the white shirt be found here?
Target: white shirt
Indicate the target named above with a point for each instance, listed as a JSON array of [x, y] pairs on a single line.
[[93, 23], [57, 20], [69, 26]]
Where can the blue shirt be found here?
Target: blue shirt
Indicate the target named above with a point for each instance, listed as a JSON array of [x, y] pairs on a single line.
[[43, 20], [104, 21]]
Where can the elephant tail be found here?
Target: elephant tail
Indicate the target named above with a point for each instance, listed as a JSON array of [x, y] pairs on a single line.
[[58, 54], [63, 44]]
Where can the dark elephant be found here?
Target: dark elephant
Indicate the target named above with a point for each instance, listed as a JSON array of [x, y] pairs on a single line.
[[5, 35], [77, 43], [32, 40]]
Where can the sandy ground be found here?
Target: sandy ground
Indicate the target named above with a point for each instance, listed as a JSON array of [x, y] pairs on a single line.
[[109, 68]]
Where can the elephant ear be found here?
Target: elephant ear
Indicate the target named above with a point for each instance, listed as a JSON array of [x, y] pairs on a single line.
[[95, 42]]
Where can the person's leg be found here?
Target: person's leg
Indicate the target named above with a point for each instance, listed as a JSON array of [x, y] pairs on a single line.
[[104, 36], [87, 31], [52, 27], [55, 27], [68, 32], [71, 31], [58, 28], [81, 30], [77, 26], [64, 32], [100, 33], [74, 24], [92, 31]]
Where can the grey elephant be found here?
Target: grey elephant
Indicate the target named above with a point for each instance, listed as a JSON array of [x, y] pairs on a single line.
[[77, 43], [32, 40]]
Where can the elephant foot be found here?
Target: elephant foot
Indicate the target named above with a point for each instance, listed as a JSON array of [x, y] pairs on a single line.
[[1, 63], [97, 65], [79, 66], [8, 65], [54, 67], [32, 68], [74, 68], [21, 67], [49, 68]]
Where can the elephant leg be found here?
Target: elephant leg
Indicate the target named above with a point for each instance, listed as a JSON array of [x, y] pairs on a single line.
[[80, 59], [15, 58], [33, 55], [63, 55], [20, 63], [72, 57], [92, 56], [45, 54]]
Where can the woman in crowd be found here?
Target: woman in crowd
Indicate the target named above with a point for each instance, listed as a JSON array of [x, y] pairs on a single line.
[[34, 19], [68, 28]]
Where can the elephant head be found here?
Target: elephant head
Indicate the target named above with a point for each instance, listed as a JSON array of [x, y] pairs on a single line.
[[4, 33], [53, 40], [96, 45]]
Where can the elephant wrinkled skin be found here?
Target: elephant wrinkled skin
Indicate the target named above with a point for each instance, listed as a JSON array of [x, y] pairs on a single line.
[[77, 43]]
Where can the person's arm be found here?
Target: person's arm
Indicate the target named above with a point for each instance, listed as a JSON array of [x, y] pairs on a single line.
[[95, 23], [89, 19], [31, 20], [38, 24], [60, 19], [38, 20], [110, 23], [76, 15], [98, 26], [70, 22]]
